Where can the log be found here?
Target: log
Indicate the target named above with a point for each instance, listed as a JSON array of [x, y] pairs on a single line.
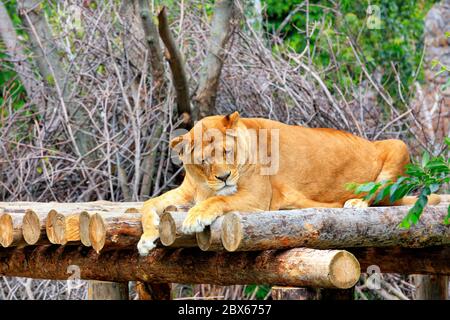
[[63, 228], [50, 225], [114, 230], [11, 229], [429, 260], [33, 228], [105, 290], [170, 231], [153, 291], [333, 228], [71, 228], [431, 287], [84, 228], [295, 267], [210, 238]]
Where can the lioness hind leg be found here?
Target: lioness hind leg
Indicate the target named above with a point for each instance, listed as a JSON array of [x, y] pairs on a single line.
[[356, 203], [395, 155]]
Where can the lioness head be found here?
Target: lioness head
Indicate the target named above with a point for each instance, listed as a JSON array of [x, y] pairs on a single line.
[[214, 151]]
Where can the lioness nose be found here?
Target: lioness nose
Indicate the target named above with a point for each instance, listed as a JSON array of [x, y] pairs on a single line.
[[224, 177]]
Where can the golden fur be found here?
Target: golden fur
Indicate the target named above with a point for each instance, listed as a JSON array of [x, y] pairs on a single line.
[[314, 166]]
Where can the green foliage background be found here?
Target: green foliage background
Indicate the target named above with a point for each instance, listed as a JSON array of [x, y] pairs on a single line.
[[400, 39], [11, 88]]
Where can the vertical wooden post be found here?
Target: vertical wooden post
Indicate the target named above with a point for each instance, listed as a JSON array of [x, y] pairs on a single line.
[[153, 291], [431, 287], [104, 290]]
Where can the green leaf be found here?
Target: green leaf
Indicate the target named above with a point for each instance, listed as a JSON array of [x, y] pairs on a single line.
[[400, 192], [415, 212], [447, 141], [351, 186], [383, 193], [365, 187], [438, 165], [413, 170], [425, 159], [447, 218]]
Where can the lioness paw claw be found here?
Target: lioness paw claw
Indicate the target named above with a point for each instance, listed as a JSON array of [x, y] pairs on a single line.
[[146, 244], [193, 224], [356, 203]]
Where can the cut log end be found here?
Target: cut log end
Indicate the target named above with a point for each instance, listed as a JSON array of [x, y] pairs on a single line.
[[204, 239], [344, 270], [167, 229], [59, 228], [6, 230], [97, 232], [31, 227], [232, 232], [84, 228], [50, 226]]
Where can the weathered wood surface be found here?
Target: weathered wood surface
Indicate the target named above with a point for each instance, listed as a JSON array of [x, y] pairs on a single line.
[[295, 267], [170, 233], [45, 223], [84, 228], [431, 287], [114, 230], [33, 227], [210, 238], [11, 229], [105, 290], [333, 228]]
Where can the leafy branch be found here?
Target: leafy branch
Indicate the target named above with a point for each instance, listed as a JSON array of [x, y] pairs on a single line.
[[425, 178]]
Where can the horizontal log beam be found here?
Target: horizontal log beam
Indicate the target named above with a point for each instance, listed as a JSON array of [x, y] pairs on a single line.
[[430, 260], [333, 228], [296, 267]]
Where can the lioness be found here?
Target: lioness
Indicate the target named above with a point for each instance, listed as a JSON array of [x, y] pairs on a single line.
[[311, 169]]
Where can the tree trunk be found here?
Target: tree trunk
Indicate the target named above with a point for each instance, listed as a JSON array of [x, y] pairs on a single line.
[[212, 66], [296, 267], [333, 228]]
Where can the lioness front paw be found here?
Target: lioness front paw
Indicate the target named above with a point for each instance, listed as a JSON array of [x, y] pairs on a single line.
[[146, 243], [197, 219], [356, 203]]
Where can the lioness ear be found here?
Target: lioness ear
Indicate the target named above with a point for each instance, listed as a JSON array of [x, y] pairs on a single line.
[[230, 120], [175, 141], [180, 144]]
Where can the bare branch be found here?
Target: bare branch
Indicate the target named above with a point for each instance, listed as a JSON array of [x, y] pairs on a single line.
[[176, 66], [52, 71], [212, 66], [152, 41]]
